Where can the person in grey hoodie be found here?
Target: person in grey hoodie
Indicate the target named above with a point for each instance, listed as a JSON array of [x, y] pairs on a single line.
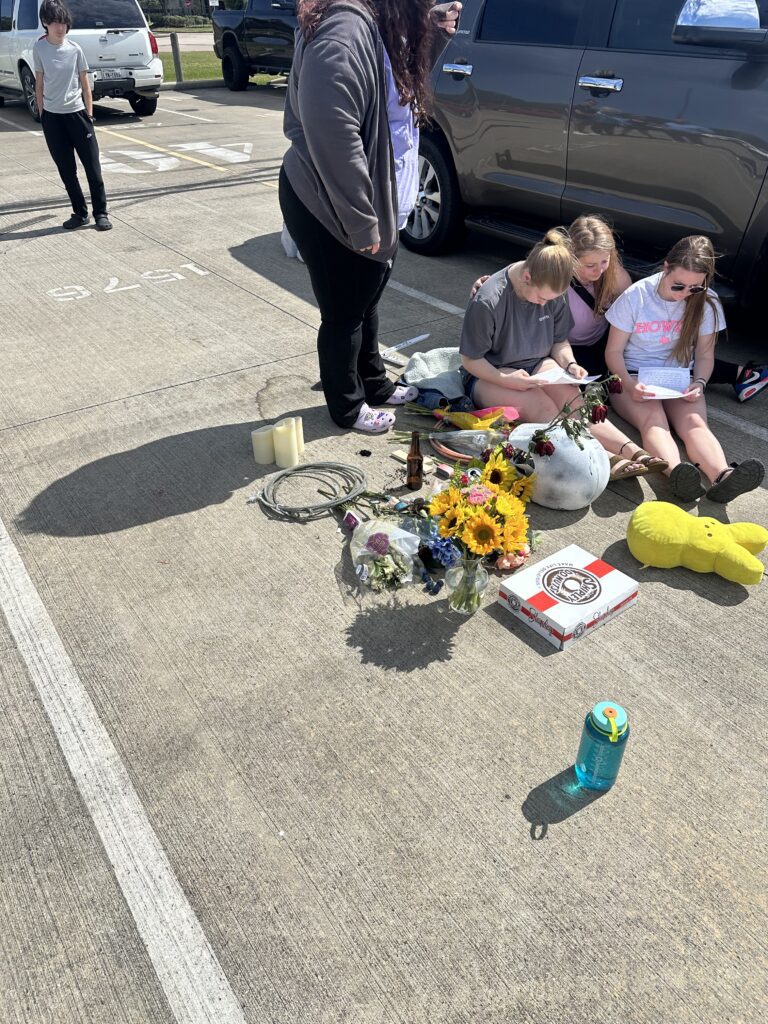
[[357, 91]]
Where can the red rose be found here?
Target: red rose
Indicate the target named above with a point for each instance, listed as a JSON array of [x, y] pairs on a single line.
[[615, 387], [598, 413], [544, 448]]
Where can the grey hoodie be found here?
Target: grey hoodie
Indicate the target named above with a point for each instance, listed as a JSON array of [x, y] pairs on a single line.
[[340, 160]]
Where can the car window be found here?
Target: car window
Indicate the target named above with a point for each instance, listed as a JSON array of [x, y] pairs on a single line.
[[648, 24], [105, 14], [538, 22], [27, 14], [6, 15]]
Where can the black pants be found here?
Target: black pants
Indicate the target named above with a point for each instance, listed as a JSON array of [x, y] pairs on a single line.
[[347, 286], [67, 134], [592, 358]]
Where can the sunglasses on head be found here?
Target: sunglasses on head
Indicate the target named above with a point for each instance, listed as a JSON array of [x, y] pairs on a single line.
[[694, 289]]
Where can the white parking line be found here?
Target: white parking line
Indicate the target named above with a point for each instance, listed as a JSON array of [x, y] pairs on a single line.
[[19, 127], [429, 299], [186, 966], [181, 113], [737, 423]]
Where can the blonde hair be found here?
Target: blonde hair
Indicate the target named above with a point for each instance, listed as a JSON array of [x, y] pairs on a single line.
[[550, 262], [695, 254], [590, 233]]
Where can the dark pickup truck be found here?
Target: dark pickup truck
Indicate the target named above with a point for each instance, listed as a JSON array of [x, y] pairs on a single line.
[[253, 37]]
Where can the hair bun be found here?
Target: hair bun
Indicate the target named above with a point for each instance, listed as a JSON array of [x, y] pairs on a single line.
[[557, 236]]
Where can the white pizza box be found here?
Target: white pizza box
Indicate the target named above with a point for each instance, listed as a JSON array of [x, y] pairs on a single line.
[[568, 595]]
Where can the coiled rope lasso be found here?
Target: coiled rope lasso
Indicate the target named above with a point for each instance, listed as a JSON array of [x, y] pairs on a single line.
[[345, 483]]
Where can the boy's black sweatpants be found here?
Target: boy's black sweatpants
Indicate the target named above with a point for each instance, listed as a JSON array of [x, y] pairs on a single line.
[[67, 134]]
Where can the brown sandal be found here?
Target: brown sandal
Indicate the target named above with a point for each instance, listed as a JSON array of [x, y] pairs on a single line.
[[652, 463], [621, 468]]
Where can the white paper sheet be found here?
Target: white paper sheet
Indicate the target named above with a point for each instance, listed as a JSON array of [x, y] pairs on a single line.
[[665, 381], [558, 376]]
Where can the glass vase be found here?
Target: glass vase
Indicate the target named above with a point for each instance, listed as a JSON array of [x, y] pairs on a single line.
[[467, 583]]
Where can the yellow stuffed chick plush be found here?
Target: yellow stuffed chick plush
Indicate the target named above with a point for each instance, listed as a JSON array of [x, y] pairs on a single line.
[[664, 536]]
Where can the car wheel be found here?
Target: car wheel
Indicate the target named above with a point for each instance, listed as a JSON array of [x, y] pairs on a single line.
[[28, 88], [144, 106], [234, 70], [437, 220]]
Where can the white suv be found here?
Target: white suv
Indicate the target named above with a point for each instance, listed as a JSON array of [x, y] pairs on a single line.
[[121, 52]]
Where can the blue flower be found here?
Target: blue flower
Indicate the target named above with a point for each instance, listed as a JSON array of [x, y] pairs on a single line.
[[445, 552]]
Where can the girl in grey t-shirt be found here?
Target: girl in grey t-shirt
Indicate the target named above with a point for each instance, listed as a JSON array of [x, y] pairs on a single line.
[[672, 319]]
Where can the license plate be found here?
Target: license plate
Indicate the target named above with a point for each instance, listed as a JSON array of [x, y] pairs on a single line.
[[112, 73]]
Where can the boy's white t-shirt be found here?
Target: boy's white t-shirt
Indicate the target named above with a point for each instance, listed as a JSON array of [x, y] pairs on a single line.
[[654, 323], [61, 66]]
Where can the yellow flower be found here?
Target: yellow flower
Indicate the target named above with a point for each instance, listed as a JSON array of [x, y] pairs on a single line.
[[498, 473], [510, 507], [481, 533], [444, 500], [522, 488], [451, 521], [515, 534]]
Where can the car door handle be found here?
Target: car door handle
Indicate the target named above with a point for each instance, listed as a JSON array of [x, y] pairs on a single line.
[[458, 69], [608, 84]]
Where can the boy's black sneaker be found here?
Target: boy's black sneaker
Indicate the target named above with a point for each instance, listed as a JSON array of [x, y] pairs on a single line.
[[103, 223], [75, 221]]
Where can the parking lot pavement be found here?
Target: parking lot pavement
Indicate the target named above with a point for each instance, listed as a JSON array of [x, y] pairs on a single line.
[[232, 791]]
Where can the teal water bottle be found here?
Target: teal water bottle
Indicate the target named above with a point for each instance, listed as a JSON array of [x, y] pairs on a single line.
[[605, 735]]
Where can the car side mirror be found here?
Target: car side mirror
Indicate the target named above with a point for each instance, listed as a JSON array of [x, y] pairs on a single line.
[[730, 24]]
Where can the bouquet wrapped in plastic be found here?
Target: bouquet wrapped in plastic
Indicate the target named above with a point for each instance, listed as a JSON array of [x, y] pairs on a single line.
[[383, 554]]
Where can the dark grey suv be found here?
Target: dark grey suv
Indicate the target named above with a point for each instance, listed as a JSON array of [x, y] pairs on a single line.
[[547, 108]]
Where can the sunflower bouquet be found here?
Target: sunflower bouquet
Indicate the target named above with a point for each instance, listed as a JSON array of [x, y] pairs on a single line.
[[481, 512]]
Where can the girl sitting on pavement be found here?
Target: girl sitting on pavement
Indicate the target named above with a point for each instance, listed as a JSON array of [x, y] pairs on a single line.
[[671, 320], [517, 324]]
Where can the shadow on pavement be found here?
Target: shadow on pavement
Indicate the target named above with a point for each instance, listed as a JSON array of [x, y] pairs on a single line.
[[555, 800], [402, 637], [158, 480]]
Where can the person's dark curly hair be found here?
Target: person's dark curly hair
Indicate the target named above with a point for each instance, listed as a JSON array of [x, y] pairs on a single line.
[[407, 30], [54, 11]]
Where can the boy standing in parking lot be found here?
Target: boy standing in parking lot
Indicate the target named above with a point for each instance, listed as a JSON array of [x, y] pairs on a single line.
[[65, 103]]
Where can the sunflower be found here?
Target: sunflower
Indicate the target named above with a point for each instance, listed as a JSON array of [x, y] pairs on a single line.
[[515, 534], [444, 500], [509, 506], [498, 473], [481, 533], [522, 488], [451, 521]]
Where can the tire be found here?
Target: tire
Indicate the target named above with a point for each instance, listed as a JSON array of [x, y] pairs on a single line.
[[437, 221], [234, 70], [28, 88], [144, 106]]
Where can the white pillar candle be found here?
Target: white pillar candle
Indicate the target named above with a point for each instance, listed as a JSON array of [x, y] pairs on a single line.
[[299, 433], [263, 446], [286, 446]]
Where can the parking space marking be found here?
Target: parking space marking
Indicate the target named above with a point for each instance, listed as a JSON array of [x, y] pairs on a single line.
[[196, 117], [20, 127], [429, 299], [186, 966], [230, 152], [161, 149], [738, 424]]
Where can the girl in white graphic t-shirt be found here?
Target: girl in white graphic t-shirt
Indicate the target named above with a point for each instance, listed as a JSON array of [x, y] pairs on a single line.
[[671, 319]]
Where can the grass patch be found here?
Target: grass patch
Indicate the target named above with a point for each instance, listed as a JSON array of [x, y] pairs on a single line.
[[197, 66], [193, 65]]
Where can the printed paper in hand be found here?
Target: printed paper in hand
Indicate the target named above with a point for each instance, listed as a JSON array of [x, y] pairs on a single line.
[[666, 381], [558, 376]]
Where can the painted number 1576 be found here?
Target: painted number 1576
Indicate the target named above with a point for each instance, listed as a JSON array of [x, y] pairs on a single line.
[[72, 292]]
